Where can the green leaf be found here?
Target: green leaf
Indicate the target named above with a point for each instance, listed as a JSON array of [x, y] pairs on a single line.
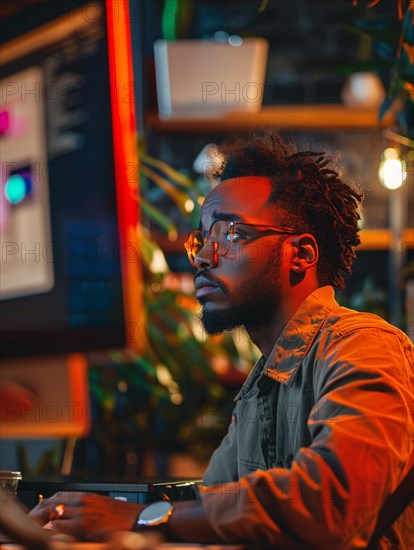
[[386, 104], [179, 197], [156, 215], [408, 27], [171, 172]]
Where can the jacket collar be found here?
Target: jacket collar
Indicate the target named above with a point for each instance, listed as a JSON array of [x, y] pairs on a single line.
[[293, 344]]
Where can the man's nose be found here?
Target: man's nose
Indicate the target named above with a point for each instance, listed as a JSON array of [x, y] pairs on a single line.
[[207, 257]]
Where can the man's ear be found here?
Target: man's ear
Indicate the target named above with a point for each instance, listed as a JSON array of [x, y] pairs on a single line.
[[305, 252]]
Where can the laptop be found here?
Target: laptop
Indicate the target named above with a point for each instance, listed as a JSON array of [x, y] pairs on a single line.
[[139, 492]]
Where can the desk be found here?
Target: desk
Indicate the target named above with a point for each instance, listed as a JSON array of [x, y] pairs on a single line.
[[110, 546], [22, 528]]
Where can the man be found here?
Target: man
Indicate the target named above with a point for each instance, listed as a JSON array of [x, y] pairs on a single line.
[[323, 428]]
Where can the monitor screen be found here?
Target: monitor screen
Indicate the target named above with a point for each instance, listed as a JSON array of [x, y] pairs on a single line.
[[61, 284]]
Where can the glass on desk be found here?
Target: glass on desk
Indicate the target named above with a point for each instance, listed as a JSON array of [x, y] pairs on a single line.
[[9, 481]]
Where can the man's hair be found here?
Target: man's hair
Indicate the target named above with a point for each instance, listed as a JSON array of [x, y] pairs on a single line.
[[308, 189]]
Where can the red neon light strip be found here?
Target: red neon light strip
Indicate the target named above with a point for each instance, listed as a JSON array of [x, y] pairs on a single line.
[[126, 163]]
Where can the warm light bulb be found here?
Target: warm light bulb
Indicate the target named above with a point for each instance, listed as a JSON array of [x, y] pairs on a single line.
[[189, 205], [392, 170], [158, 262]]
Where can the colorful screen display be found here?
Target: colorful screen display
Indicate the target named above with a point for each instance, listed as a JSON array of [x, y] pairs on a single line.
[[61, 284]]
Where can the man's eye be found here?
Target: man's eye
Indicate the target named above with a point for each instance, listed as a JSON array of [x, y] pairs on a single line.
[[237, 235]]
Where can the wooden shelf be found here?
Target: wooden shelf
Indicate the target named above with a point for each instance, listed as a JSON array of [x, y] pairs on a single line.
[[292, 117], [381, 239]]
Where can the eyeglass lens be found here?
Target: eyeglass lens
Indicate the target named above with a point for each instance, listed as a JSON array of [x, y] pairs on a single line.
[[220, 235]]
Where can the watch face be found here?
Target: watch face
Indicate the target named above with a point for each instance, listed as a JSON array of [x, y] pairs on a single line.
[[155, 513]]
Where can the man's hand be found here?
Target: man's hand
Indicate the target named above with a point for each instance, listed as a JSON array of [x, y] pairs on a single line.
[[88, 516]]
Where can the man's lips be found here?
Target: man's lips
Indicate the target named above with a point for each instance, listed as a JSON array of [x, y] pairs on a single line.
[[205, 286]]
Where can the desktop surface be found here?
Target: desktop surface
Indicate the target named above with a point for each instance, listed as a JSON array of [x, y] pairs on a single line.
[[111, 546]]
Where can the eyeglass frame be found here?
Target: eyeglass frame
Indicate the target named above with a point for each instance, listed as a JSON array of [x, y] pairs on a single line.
[[232, 226]]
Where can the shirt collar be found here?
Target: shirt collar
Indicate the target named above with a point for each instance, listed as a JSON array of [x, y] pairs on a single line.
[[297, 336]]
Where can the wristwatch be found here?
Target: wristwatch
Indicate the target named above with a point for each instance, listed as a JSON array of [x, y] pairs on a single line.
[[155, 514]]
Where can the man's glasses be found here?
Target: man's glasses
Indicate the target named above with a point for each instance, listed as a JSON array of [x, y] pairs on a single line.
[[221, 236]]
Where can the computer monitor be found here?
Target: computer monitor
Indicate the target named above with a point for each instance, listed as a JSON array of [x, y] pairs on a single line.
[[70, 262]]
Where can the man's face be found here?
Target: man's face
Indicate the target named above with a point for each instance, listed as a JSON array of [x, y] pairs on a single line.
[[243, 287]]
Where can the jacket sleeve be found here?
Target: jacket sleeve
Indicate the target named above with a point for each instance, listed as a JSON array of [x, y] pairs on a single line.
[[362, 436], [223, 463]]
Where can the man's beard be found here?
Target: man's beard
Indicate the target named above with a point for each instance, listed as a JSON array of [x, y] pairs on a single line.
[[258, 301], [216, 322]]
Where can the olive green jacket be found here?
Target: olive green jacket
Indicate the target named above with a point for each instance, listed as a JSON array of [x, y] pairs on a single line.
[[322, 433]]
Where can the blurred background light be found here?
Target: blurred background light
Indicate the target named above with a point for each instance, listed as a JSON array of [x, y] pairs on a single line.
[[235, 40], [392, 170], [18, 186]]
